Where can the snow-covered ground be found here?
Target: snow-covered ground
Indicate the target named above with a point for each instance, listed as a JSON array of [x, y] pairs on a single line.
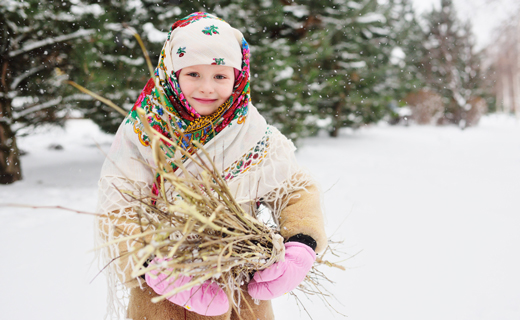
[[432, 213]]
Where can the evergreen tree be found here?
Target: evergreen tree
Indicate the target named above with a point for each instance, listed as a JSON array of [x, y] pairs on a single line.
[[113, 64], [276, 31], [406, 38], [451, 66], [344, 60], [36, 38]]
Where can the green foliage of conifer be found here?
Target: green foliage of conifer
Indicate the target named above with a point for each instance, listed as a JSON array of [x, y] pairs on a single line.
[[37, 39], [451, 67]]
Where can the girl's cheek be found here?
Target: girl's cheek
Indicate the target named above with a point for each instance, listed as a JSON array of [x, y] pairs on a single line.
[[228, 90]]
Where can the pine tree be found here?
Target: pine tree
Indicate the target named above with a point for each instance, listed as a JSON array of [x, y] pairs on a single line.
[[37, 37], [113, 64], [406, 37], [451, 67], [275, 31], [343, 60]]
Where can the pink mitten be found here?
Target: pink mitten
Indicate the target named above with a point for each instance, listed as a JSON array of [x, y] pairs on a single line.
[[206, 299], [283, 276]]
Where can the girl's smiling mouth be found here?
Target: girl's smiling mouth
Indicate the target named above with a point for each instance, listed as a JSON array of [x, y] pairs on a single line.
[[205, 101]]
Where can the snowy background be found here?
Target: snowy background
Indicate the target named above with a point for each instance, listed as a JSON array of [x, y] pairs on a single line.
[[433, 214]]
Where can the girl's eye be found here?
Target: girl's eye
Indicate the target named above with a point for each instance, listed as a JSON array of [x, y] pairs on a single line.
[[220, 77], [192, 74]]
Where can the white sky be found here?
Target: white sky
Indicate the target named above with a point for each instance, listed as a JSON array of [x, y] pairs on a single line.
[[485, 15]]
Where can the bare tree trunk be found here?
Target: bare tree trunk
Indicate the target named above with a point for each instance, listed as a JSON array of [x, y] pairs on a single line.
[[10, 170], [337, 122], [337, 116]]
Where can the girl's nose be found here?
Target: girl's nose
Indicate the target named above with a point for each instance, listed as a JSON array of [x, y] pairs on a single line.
[[206, 86]]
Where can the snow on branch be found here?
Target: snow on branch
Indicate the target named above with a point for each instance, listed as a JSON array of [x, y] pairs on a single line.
[[299, 11], [379, 31], [371, 18], [48, 104], [338, 22], [354, 64], [24, 75], [133, 62], [153, 34], [9, 95], [78, 96], [7, 121], [42, 43]]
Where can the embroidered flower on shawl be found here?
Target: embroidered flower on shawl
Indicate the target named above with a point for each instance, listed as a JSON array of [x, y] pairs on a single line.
[[211, 30], [181, 51], [190, 19], [218, 61]]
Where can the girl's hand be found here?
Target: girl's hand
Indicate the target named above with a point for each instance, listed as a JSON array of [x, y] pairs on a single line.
[[206, 299], [283, 276]]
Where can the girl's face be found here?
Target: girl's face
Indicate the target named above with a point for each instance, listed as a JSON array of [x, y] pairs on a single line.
[[206, 87]]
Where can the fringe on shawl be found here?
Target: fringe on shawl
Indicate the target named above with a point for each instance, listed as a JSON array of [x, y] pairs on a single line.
[[115, 207]]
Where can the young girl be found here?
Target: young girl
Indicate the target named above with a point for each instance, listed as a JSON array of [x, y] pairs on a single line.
[[203, 75]]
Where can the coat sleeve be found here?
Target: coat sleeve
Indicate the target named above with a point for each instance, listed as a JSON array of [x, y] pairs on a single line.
[[303, 215]]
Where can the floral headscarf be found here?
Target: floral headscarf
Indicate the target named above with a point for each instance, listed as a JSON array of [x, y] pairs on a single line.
[[163, 100]]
